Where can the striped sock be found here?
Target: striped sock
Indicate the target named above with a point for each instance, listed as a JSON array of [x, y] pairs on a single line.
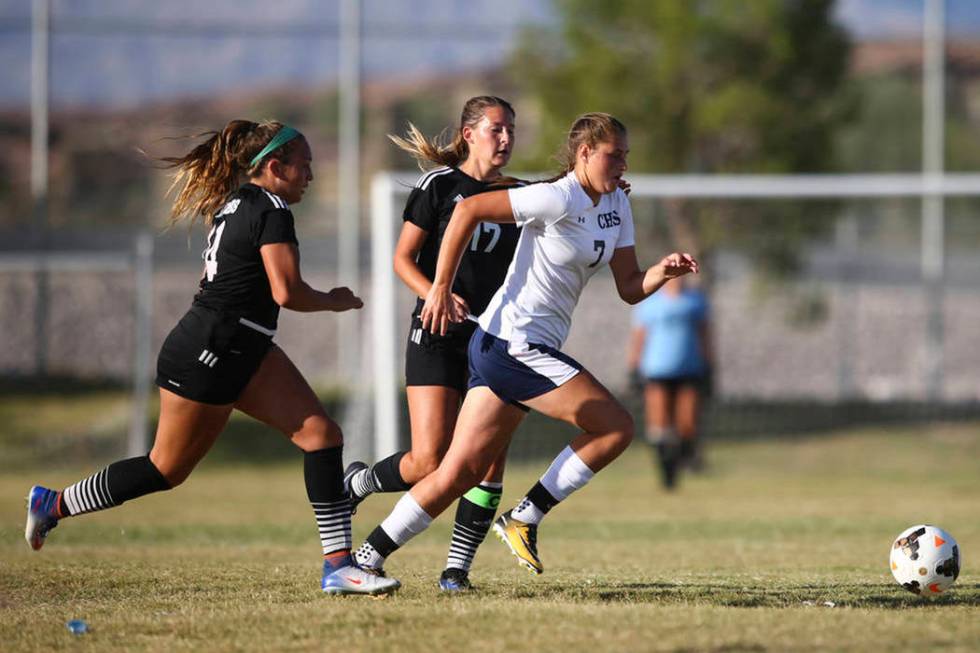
[[383, 476], [474, 515], [119, 482], [324, 476], [386, 475], [362, 483]]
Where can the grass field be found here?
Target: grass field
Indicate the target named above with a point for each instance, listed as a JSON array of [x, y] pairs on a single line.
[[781, 546]]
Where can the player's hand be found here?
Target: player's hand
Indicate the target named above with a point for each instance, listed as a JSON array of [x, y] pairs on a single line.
[[677, 265], [439, 310], [462, 308], [344, 299]]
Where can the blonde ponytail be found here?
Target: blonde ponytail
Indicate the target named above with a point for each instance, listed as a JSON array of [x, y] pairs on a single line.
[[441, 151]]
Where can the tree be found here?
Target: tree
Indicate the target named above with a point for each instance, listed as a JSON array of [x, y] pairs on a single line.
[[709, 86]]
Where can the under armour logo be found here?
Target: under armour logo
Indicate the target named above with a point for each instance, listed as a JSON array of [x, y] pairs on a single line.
[[581, 219]]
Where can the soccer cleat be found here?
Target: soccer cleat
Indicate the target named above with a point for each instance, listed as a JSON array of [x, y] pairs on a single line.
[[455, 580], [521, 539], [42, 507], [351, 579], [349, 475]]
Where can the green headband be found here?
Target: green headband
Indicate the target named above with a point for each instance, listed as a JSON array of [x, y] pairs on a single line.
[[282, 137]]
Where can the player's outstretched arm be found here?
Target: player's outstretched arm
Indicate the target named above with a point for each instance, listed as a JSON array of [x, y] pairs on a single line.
[[634, 284], [281, 261]]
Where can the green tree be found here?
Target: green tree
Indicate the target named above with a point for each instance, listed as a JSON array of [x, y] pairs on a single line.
[[710, 86]]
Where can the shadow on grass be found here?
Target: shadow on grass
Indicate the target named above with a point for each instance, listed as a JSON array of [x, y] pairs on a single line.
[[814, 596]]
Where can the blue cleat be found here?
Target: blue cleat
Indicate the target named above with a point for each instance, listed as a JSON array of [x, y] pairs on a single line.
[[351, 579], [455, 580], [42, 510]]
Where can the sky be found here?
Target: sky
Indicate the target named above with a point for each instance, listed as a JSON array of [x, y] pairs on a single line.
[[123, 53]]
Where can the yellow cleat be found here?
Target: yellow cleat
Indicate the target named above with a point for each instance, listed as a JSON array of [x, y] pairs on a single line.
[[521, 539]]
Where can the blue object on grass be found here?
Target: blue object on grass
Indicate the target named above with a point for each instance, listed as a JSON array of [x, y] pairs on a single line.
[[77, 626]]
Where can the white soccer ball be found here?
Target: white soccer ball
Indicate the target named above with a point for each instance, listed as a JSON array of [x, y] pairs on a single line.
[[925, 560]]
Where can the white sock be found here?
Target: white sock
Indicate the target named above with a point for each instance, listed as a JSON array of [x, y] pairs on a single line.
[[527, 512], [666, 435], [368, 556], [406, 520], [566, 474]]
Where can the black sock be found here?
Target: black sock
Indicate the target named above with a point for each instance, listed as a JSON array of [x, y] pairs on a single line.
[[474, 515], [387, 478], [688, 448], [541, 498], [119, 482], [323, 471], [376, 548], [668, 453]]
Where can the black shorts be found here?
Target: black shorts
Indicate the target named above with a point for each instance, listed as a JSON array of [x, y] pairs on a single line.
[[210, 357], [431, 359], [674, 383]]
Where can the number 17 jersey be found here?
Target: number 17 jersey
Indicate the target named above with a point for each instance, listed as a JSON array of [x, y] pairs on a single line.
[[489, 251]]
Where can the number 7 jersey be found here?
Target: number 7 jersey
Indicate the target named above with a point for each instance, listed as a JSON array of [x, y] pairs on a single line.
[[565, 239]]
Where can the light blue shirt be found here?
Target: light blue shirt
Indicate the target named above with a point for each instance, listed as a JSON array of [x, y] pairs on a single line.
[[672, 347]]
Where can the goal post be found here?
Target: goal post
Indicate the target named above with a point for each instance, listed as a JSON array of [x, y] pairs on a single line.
[[389, 190], [386, 189], [136, 263]]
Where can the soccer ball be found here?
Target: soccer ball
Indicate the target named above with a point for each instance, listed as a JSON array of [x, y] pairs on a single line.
[[925, 560]]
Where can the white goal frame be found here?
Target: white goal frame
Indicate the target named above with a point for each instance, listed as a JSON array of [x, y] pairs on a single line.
[[388, 190]]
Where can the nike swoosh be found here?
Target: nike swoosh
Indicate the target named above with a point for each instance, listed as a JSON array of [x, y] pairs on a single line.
[[356, 582]]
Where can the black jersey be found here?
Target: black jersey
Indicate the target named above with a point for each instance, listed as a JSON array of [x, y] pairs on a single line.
[[235, 280], [486, 259]]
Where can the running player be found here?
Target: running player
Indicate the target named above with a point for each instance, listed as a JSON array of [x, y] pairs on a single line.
[[572, 226], [436, 367], [221, 356]]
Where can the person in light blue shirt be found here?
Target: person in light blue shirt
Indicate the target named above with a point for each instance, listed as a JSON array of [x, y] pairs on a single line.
[[670, 355]]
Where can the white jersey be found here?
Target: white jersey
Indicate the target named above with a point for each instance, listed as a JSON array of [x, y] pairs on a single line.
[[564, 241]]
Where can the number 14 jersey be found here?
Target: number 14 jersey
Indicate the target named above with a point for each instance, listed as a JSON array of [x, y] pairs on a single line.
[[235, 281], [564, 240]]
